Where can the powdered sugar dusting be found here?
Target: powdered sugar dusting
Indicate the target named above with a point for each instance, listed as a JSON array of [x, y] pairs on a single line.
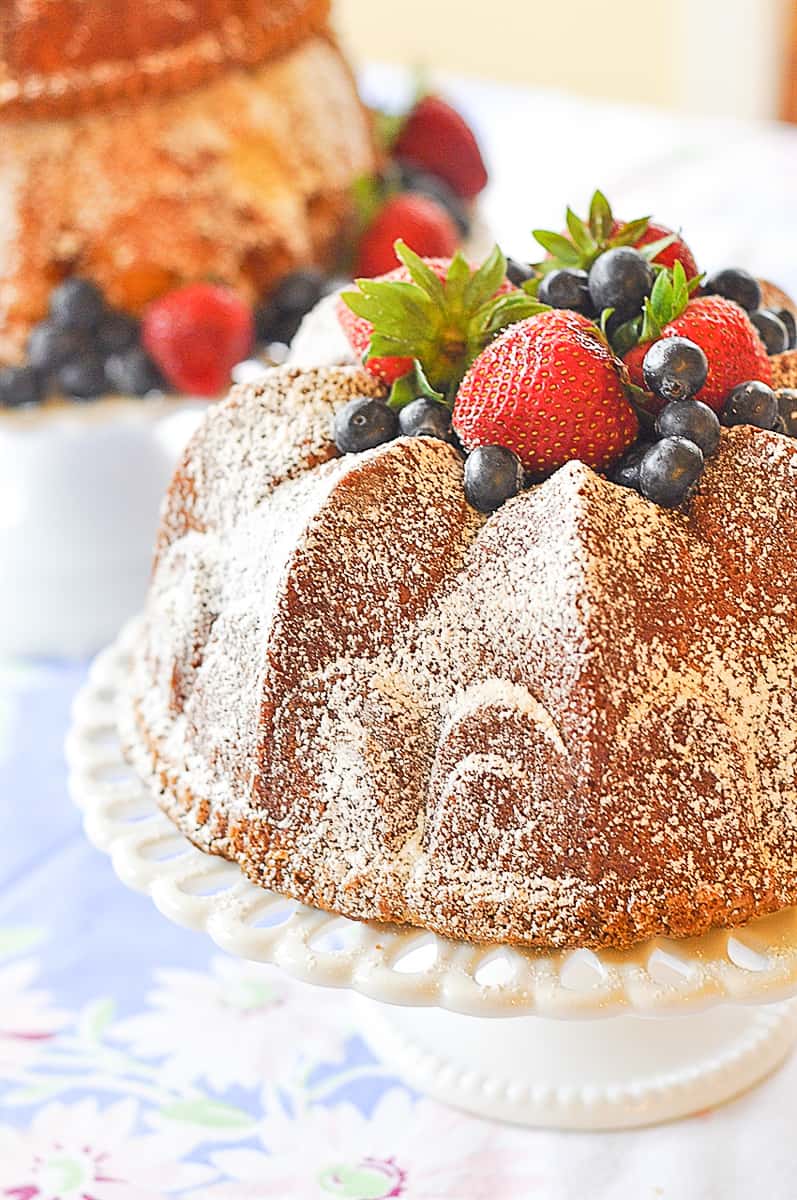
[[572, 723]]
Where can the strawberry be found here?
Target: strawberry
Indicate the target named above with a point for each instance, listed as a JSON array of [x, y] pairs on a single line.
[[584, 241], [196, 335], [721, 329], [677, 251], [436, 312], [436, 137], [550, 390], [414, 218]]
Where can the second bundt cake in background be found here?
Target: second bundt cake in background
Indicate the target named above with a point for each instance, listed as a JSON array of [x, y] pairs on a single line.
[[147, 145]]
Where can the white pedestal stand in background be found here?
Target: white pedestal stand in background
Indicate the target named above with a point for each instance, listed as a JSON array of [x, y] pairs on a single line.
[[591, 1040]]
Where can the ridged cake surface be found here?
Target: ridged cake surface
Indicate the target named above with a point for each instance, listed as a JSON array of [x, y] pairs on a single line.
[[58, 57], [572, 723]]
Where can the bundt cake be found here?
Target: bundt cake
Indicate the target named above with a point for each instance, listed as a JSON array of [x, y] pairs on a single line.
[[475, 634], [572, 723], [147, 145]]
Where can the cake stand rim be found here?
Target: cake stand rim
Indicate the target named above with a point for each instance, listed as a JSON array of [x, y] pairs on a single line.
[[662, 977]]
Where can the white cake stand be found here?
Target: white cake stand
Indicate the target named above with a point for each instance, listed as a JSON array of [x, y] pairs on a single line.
[[692, 1023]]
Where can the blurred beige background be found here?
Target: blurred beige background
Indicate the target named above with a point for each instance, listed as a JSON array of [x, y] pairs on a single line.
[[702, 56]]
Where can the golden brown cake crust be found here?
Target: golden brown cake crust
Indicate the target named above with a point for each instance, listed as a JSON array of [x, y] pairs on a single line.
[[240, 180], [784, 369], [58, 57], [574, 723]]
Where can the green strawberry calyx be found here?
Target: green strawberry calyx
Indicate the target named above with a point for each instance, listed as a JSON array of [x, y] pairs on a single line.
[[668, 299], [441, 324], [587, 240]]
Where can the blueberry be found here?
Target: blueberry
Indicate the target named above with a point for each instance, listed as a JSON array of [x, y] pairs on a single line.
[[625, 471], [568, 288], [787, 410], [518, 272], [693, 420], [50, 347], [735, 284], [132, 372], [751, 403], [77, 304], [363, 423], [788, 319], [19, 386], [425, 418], [83, 377], [771, 330], [669, 471], [620, 279], [493, 475], [299, 292], [271, 325], [116, 332], [416, 179], [675, 368]]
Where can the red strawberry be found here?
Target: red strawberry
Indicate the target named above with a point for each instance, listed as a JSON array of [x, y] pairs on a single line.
[[196, 335], [437, 138], [727, 337], [678, 251], [584, 240], [418, 220], [550, 389], [358, 331]]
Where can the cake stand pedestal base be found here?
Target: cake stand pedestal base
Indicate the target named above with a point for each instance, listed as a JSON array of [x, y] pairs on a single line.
[[597, 1074]]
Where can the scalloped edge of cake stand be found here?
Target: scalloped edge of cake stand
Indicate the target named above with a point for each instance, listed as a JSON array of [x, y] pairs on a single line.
[[584, 1073]]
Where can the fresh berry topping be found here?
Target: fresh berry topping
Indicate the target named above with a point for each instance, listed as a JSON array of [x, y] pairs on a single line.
[[788, 319], [583, 241], [272, 326], [77, 304], [425, 418], [83, 377], [50, 347], [436, 314], [787, 410], [19, 387], [299, 292], [550, 390], [693, 420], [278, 318], [415, 179], [116, 332], [518, 272], [625, 471], [771, 330], [196, 335], [566, 288], [436, 137], [493, 475], [676, 251], [364, 423], [721, 329], [418, 220], [620, 279], [735, 284], [751, 403], [132, 372], [669, 470], [674, 368], [359, 332]]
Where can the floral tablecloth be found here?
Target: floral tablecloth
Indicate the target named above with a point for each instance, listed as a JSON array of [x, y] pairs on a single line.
[[137, 1062]]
